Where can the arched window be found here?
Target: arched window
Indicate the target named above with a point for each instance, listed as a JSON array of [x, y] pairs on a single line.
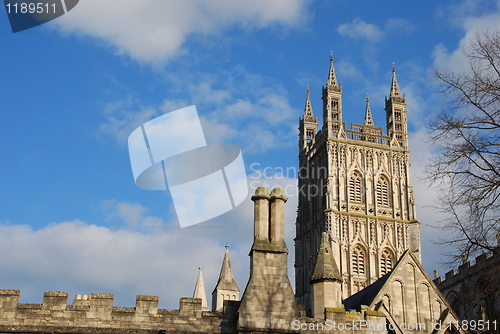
[[454, 302], [358, 261], [386, 262], [383, 191], [356, 187], [487, 294]]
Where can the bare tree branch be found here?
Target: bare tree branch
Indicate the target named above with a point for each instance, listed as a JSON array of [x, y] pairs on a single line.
[[466, 134]]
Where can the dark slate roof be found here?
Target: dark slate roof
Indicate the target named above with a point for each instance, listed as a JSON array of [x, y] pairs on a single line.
[[365, 296]]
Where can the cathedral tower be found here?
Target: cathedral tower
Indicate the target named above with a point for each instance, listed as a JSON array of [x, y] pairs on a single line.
[[355, 185]]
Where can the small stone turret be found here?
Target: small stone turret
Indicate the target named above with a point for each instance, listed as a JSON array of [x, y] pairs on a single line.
[[268, 302], [199, 290], [326, 280], [226, 288]]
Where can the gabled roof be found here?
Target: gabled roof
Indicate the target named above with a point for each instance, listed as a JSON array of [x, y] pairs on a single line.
[[373, 295], [368, 295]]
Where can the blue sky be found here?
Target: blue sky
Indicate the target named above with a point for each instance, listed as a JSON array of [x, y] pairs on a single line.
[[71, 217]]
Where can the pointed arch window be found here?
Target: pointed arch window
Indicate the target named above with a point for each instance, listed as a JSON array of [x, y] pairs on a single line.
[[383, 191], [356, 187], [488, 296], [358, 261], [386, 262]]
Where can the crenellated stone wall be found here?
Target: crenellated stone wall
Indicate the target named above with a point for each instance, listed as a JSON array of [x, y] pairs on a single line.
[[473, 290], [98, 315]]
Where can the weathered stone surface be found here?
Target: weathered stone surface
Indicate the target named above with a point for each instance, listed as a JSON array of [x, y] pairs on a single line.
[[100, 316]]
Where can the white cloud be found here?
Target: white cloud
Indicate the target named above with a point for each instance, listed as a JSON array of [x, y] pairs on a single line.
[[472, 25], [130, 213], [81, 258], [156, 31], [399, 26], [123, 117], [348, 69], [258, 118], [359, 29]]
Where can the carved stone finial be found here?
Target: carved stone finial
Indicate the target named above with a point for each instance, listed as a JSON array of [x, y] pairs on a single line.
[[436, 274], [498, 239], [464, 258]]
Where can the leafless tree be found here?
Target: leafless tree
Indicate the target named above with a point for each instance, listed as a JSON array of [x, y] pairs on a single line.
[[466, 132]]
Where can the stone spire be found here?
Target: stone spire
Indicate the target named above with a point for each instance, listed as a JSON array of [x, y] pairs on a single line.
[[226, 288], [226, 279], [368, 113], [332, 79], [395, 107], [308, 113], [332, 104], [199, 290], [395, 92], [326, 280]]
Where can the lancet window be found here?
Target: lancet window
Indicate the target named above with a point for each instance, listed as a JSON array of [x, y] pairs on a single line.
[[386, 262], [356, 187], [358, 261], [382, 191]]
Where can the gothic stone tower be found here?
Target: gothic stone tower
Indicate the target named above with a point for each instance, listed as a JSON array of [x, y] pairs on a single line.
[[355, 185]]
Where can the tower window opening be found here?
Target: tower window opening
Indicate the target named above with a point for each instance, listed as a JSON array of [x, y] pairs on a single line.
[[397, 116], [355, 188], [382, 191], [335, 104], [385, 262], [358, 261]]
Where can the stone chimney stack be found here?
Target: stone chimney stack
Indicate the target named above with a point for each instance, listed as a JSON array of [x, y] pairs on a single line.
[[268, 302], [277, 221], [261, 214]]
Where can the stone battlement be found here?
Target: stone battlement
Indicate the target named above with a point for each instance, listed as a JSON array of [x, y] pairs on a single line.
[[467, 268], [96, 314]]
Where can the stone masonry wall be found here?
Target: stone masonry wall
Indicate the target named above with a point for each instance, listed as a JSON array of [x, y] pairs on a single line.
[[98, 315]]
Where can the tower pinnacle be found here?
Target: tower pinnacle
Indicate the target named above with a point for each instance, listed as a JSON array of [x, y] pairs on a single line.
[[332, 79], [395, 92], [308, 113], [368, 113]]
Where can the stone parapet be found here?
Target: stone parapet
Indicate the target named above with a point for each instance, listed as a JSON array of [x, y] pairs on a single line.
[[98, 315], [467, 268]]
